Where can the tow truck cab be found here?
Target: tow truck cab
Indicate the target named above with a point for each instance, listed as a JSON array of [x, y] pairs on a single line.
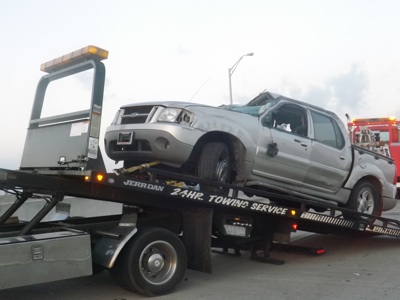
[[381, 135]]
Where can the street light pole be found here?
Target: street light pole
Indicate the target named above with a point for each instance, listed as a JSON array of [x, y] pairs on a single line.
[[230, 72]]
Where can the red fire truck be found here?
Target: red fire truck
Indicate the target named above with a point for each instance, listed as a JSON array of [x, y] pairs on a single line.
[[381, 135]]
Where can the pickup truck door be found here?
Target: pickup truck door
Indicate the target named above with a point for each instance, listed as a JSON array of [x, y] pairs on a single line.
[[282, 155], [331, 156]]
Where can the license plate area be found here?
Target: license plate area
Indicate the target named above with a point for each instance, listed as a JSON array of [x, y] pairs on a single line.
[[235, 230], [125, 138], [239, 226]]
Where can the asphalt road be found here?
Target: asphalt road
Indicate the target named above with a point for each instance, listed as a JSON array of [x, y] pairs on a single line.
[[351, 268]]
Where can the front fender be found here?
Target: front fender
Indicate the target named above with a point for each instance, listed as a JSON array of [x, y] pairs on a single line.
[[244, 127], [110, 245]]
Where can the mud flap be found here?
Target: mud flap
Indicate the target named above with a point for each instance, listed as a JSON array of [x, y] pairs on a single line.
[[197, 225]]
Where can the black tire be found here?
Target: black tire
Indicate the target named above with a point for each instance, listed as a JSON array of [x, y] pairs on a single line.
[[364, 198], [152, 263], [97, 269], [215, 164]]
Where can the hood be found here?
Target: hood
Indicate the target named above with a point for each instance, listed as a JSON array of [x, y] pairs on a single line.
[[167, 103]]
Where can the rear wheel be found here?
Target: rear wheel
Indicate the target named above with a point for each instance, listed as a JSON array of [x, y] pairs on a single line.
[[152, 263], [364, 198], [215, 164]]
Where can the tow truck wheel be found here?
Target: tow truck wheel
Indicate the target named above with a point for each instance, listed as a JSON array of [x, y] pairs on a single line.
[[364, 198], [152, 263], [215, 164]]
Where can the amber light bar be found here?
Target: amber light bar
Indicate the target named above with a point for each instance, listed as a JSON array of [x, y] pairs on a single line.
[[373, 120], [86, 53]]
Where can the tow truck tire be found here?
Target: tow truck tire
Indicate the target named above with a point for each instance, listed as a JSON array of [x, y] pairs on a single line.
[[364, 198], [215, 164], [152, 263]]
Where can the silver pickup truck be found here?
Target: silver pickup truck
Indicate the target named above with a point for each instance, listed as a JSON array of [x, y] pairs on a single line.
[[272, 143]]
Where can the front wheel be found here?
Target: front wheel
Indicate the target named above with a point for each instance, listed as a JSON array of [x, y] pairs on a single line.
[[152, 263], [364, 198], [215, 164]]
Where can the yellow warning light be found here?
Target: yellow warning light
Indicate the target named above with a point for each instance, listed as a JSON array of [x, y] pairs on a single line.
[[374, 120], [86, 53], [293, 212], [99, 177], [87, 178]]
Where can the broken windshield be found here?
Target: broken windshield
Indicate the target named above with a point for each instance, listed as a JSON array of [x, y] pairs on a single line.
[[256, 106]]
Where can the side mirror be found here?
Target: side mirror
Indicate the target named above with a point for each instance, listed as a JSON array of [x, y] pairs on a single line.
[[267, 120]]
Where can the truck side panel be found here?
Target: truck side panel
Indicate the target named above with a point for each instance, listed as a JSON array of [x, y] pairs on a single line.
[[44, 258]]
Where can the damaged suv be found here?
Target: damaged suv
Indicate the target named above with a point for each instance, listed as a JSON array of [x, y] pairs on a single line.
[[272, 143]]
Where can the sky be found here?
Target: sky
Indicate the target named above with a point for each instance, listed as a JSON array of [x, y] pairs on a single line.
[[342, 55]]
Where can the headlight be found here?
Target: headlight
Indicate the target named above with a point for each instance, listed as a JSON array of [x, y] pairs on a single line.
[[176, 115], [169, 115]]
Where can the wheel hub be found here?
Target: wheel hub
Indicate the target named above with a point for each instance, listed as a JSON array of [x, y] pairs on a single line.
[[158, 262], [365, 203], [155, 262]]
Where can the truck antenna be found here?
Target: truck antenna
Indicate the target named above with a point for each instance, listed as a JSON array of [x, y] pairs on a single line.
[[191, 98]]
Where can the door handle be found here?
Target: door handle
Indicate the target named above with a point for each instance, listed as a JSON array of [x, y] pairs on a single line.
[[304, 144], [342, 157]]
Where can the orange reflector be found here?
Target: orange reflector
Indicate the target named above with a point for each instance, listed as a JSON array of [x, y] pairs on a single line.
[[99, 177], [87, 178], [293, 212]]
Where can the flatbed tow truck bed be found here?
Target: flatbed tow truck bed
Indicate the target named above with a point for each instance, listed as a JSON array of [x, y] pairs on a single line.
[[170, 222], [161, 195]]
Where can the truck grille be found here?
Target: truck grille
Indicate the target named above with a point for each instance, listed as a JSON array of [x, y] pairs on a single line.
[[137, 114]]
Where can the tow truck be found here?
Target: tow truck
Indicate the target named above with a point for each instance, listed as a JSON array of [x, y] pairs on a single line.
[[381, 135], [169, 221]]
